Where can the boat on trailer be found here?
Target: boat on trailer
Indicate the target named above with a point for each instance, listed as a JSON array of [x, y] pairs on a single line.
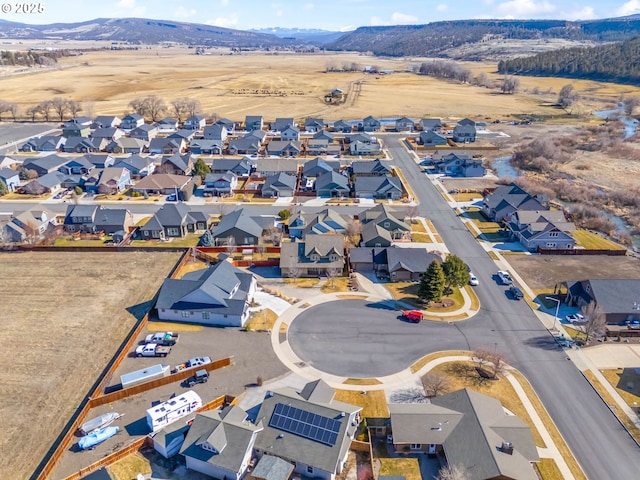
[[97, 423], [98, 436]]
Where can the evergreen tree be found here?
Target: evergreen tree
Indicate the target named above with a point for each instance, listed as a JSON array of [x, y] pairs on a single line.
[[432, 283], [201, 168], [3, 188], [456, 272]]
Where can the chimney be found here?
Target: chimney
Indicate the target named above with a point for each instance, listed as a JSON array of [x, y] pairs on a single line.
[[507, 447]]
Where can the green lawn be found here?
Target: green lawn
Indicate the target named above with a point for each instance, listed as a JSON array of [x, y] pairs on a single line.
[[593, 241]]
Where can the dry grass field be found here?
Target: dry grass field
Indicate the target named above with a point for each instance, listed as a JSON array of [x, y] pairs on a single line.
[[278, 85], [64, 314]]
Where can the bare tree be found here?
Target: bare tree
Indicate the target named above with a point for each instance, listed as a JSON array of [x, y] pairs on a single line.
[[490, 361], [332, 273], [31, 233], [13, 108], [294, 273], [179, 108], [596, 321], [273, 235], [412, 213], [353, 231], [435, 384], [192, 106], [567, 97], [60, 106], [137, 104], [45, 109], [154, 106], [509, 85], [33, 112], [231, 244], [453, 472], [74, 107]]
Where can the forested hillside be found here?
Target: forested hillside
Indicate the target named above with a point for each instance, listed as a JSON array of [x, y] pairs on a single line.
[[617, 62]]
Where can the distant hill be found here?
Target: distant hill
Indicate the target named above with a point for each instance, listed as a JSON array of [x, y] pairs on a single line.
[[311, 35], [616, 62], [142, 31], [434, 39]]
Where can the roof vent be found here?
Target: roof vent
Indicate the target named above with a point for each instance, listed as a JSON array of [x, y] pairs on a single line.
[[342, 414], [280, 436], [507, 447]]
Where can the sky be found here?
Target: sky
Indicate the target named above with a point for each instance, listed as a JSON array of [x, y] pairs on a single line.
[[335, 15]]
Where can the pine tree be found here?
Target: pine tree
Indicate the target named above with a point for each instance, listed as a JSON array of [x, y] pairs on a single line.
[[201, 168], [432, 283]]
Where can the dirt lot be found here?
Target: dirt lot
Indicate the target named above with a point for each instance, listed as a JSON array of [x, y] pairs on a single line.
[[542, 272], [64, 315]]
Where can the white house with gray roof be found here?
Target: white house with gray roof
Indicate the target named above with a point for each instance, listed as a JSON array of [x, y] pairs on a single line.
[[313, 256], [307, 428], [242, 228], [219, 295], [280, 185]]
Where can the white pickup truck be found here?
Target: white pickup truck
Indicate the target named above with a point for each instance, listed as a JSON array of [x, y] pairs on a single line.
[[192, 362], [152, 350], [162, 338], [504, 277]]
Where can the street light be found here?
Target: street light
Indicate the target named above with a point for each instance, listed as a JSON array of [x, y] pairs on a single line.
[[555, 319]]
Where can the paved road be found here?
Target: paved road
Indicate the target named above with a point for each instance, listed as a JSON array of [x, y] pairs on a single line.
[[601, 445]]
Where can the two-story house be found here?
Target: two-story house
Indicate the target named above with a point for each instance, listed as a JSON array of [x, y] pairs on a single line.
[[313, 256], [220, 183], [195, 122], [131, 121]]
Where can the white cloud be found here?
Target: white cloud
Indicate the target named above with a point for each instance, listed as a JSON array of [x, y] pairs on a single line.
[[629, 8], [443, 7], [229, 21], [519, 8], [309, 6], [131, 8], [397, 18], [586, 13], [182, 12], [224, 3]]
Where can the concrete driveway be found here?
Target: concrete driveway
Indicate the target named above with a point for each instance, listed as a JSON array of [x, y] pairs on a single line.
[[614, 356]]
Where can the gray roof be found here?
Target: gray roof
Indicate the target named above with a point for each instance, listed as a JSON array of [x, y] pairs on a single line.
[[215, 131], [134, 162], [613, 295], [173, 214], [104, 132], [226, 431], [50, 180], [50, 162], [372, 231], [280, 181], [111, 217], [241, 220], [325, 221], [280, 145], [289, 446], [272, 468], [209, 289], [159, 143], [318, 165], [332, 180], [412, 259], [430, 123], [80, 211], [277, 165], [381, 212], [231, 164], [6, 173], [506, 195], [161, 181], [471, 427], [107, 120], [181, 162], [297, 253], [379, 184], [282, 123], [370, 166]]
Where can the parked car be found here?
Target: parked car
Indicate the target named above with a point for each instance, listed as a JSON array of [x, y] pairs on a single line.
[[575, 318], [171, 198], [192, 362], [515, 293], [413, 316], [152, 350], [504, 277], [162, 338], [201, 376], [473, 280]]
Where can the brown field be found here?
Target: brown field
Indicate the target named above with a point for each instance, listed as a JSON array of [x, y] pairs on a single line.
[[64, 316], [283, 85], [542, 272]]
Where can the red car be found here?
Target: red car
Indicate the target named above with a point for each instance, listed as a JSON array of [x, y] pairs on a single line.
[[414, 316]]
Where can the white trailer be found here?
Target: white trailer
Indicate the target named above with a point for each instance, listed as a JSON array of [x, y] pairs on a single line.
[[144, 375], [172, 410]]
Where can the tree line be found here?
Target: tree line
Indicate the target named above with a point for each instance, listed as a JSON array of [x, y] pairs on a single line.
[[32, 57], [618, 62]]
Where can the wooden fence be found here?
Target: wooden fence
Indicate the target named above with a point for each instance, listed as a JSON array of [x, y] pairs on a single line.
[[581, 251]]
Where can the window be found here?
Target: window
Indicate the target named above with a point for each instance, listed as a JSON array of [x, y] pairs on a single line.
[[333, 257], [309, 469], [553, 234], [185, 314], [386, 224], [206, 315], [416, 446], [173, 232], [315, 257], [551, 245]]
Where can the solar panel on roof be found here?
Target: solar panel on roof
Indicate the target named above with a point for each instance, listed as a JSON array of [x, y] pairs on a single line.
[[305, 424]]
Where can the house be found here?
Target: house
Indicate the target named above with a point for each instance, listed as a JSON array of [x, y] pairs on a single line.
[[382, 216], [44, 143], [332, 184], [358, 148], [216, 132], [506, 199], [317, 147], [273, 166], [109, 133], [280, 185], [8, 162], [228, 124], [241, 168], [284, 148], [370, 168], [471, 430], [206, 147], [240, 228], [617, 298], [131, 121], [31, 225], [71, 129], [360, 137], [177, 164], [464, 133], [247, 145], [313, 256], [313, 125], [162, 183], [144, 132], [44, 165], [113, 180], [307, 428], [77, 166], [82, 121], [166, 125], [404, 124], [459, 165], [430, 138], [169, 440], [317, 166], [183, 134], [219, 295], [342, 126], [47, 183], [80, 145], [195, 122], [468, 121], [94, 219], [385, 187], [220, 443], [106, 121], [373, 235], [548, 229], [327, 221], [174, 220], [220, 183], [291, 133], [281, 124], [431, 124], [127, 145], [400, 264], [253, 122], [101, 161], [167, 146], [324, 135], [10, 178], [138, 166], [369, 124], [272, 468]]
